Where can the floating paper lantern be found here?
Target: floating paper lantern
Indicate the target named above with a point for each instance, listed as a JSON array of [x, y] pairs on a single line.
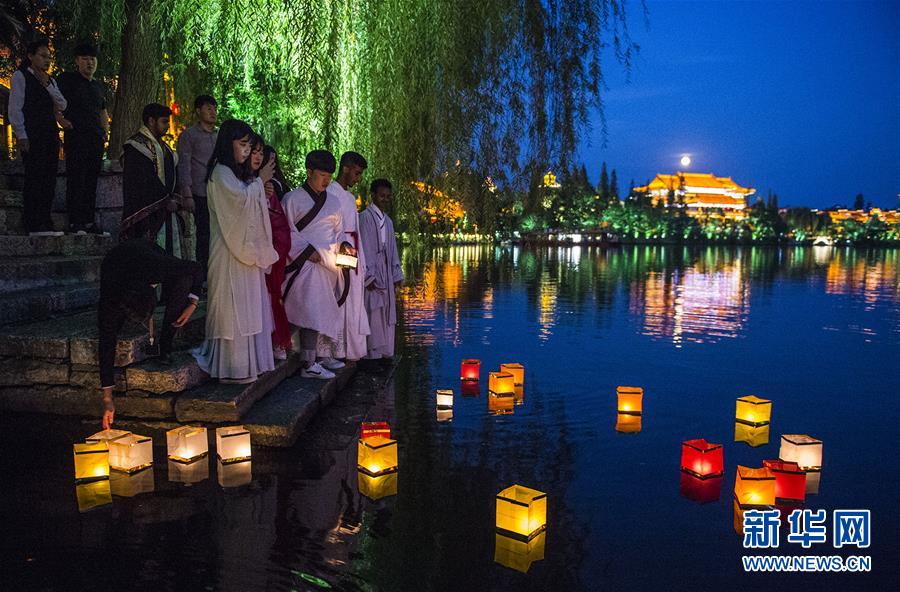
[[521, 512], [630, 399], [131, 453], [501, 403], [790, 480], [444, 398], [628, 424], [754, 487], [345, 260], [376, 455], [804, 450], [750, 435], [470, 370], [501, 382], [107, 436], [93, 495], [470, 388], [193, 472], [376, 487], [91, 461], [753, 411], [187, 443], [517, 371], [234, 474], [374, 428], [233, 444], [517, 554], [132, 484], [444, 414], [702, 459], [699, 490]]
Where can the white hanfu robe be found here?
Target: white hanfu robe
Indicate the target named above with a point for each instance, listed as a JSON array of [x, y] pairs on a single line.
[[382, 270], [239, 321], [353, 323], [311, 302]]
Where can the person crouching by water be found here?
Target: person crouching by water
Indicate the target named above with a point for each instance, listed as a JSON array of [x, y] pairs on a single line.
[[129, 275], [238, 345]]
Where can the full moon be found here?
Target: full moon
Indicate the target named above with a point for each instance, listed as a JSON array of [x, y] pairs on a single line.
[[685, 161]]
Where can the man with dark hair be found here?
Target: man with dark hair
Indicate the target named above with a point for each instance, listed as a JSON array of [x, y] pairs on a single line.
[[148, 182], [86, 110], [195, 147], [129, 275], [35, 107]]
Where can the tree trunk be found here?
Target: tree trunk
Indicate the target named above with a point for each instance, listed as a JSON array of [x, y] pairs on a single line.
[[139, 73]]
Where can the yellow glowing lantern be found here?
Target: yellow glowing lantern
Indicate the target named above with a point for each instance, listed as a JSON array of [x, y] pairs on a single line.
[[754, 487], [233, 444], [132, 484], [516, 554], [131, 453], [93, 495], [376, 487], [628, 424], [753, 411], [376, 455], [91, 461], [107, 436], [521, 512], [750, 435], [234, 474], [444, 398], [501, 403], [193, 472], [517, 371], [630, 399], [501, 382], [444, 414], [186, 444], [802, 449]]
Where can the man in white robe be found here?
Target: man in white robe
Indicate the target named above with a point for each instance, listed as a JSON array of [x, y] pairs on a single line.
[[311, 275], [383, 272], [353, 325]]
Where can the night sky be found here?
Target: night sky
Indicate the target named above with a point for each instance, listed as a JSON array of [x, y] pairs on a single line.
[[802, 98]]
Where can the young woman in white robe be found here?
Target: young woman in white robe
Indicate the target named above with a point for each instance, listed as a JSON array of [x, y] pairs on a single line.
[[238, 345]]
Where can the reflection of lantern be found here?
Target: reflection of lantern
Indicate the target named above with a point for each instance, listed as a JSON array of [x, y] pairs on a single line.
[[804, 450], [520, 394], [93, 495], [701, 458], [444, 398], [444, 414], [376, 487], [790, 480], [501, 382], [91, 461], [521, 512], [628, 424], [517, 371], [187, 443], [470, 388], [376, 455], [753, 411], [470, 370], [193, 472], [738, 517], [234, 474], [813, 479], [750, 435], [754, 487], [374, 428], [501, 403], [132, 484], [516, 554], [699, 490], [107, 436], [630, 399], [131, 453], [233, 444]]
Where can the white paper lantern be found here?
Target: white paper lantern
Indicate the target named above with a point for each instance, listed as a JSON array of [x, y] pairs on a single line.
[[802, 449], [187, 443], [444, 398], [131, 453], [233, 444]]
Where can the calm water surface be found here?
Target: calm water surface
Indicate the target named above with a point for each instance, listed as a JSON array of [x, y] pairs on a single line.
[[816, 330]]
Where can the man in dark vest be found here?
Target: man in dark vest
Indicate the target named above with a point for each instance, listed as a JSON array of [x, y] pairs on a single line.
[[35, 106]]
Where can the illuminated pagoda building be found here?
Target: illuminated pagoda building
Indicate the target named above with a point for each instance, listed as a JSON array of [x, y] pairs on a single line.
[[699, 193], [550, 181]]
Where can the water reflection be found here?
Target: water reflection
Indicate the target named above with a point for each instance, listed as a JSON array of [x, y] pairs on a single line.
[[132, 484], [93, 495], [516, 554], [751, 435], [189, 473], [234, 474]]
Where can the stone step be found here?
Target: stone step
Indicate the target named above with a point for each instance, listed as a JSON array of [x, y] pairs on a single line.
[[280, 416], [39, 304], [11, 198], [216, 403], [152, 377], [69, 244], [24, 273], [72, 400]]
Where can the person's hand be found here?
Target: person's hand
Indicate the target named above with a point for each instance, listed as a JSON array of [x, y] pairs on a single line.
[[270, 188], [63, 122], [315, 257], [187, 204], [172, 205], [24, 145], [43, 77], [268, 171], [108, 417], [109, 408], [185, 315]]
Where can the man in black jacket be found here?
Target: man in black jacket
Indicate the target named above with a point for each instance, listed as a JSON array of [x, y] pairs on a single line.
[[129, 275]]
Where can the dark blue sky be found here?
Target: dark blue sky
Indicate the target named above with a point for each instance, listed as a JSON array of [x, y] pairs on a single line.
[[802, 98]]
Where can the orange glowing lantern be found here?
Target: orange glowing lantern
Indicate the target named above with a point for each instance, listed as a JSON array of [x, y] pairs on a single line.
[[750, 435], [702, 459], [790, 480], [754, 488], [628, 424], [517, 371], [521, 512], [501, 382], [804, 450], [376, 455], [470, 370], [630, 399], [753, 411], [699, 490], [517, 554], [369, 429]]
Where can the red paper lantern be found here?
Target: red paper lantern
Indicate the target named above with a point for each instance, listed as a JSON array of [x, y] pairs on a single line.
[[470, 370], [699, 490], [369, 429], [702, 459], [790, 480]]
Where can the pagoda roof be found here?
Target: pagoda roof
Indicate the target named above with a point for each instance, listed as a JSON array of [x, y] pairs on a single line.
[[700, 180]]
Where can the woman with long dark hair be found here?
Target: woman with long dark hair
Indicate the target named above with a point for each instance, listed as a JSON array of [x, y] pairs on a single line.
[[238, 345]]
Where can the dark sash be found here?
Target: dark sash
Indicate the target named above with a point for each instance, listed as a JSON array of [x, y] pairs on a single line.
[[295, 265]]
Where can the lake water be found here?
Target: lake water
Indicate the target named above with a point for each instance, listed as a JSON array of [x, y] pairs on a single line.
[[816, 330]]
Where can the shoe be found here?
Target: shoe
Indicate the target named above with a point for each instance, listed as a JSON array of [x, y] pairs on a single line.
[[331, 363], [316, 371], [280, 354]]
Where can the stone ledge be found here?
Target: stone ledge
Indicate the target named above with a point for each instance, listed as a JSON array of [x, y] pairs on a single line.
[[69, 244], [69, 400], [37, 304], [22, 273], [25, 372], [153, 377]]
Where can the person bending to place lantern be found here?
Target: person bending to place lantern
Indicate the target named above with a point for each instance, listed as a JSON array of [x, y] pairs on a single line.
[[311, 277], [238, 345], [383, 273], [128, 275]]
